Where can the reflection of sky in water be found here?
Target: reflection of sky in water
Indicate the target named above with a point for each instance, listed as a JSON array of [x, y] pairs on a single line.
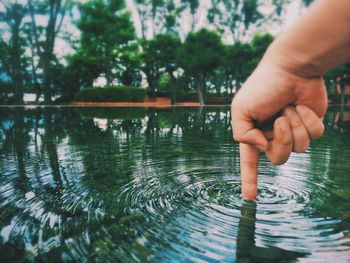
[[163, 186]]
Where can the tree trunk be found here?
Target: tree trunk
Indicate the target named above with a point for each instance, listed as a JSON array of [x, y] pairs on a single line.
[[193, 20], [218, 86], [45, 52], [174, 88], [109, 80], [230, 86], [37, 88], [200, 92], [51, 147], [19, 142], [342, 93], [16, 76], [47, 88], [151, 81], [143, 26]]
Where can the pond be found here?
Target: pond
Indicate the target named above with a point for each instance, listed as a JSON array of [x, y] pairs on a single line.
[[163, 185]]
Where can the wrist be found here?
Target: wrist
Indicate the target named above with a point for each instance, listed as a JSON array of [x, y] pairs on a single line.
[[318, 42], [293, 61]]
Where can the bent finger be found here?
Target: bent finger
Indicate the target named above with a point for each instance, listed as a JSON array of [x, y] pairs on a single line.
[[249, 159], [301, 140], [312, 122], [244, 131], [253, 137], [282, 144]]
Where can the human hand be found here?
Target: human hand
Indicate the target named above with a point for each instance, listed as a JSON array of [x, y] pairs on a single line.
[[268, 91]]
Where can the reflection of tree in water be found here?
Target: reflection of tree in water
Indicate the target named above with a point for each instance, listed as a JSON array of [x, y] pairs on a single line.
[[329, 167], [51, 147], [19, 141], [112, 157], [16, 136], [77, 170], [182, 139], [35, 199], [339, 119]]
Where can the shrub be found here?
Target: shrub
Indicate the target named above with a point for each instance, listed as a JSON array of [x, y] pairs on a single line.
[[111, 94], [209, 98]]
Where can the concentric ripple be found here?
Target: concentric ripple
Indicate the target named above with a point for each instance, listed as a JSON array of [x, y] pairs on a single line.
[[136, 192], [205, 212]]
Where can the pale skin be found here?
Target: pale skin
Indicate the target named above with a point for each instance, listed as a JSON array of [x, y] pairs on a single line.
[[288, 86]]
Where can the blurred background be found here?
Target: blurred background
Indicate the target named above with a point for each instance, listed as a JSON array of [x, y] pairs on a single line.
[[186, 50]]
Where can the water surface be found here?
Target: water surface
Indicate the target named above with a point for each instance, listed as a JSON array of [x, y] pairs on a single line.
[[162, 185]]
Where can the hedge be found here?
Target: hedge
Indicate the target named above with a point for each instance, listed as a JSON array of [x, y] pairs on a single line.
[[209, 98], [111, 94]]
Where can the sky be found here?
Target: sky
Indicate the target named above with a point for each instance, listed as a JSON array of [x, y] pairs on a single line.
[[62, 48], [292, 14]]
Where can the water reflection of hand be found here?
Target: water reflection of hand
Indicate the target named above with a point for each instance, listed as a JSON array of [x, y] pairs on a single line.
[[246, 231], [248, 251]]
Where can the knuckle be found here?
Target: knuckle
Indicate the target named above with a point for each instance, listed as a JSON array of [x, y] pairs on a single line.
[[296, 123], [285, 141], [317, 131]]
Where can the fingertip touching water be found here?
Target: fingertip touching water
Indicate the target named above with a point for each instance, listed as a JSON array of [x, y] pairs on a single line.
[[163, 185]]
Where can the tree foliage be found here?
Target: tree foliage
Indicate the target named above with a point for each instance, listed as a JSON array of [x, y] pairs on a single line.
[[159, 55], [44, 37], [12, 59], [235, 18], [105, 33], [172, 56], [200, 55]]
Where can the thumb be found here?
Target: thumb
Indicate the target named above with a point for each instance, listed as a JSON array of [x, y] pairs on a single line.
[[249, 159]]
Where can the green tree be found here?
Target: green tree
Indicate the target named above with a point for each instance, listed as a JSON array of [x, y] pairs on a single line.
[[106, 32], [83, 68], [130, 70], [167, 16], [12, 59], [149, 13], [200, 55], [151, 65], [237, 64], [160, 56], [171, 13], [169, 45], [193, 7], [235, 18], [240, 59], [44, 36], [260, 43]]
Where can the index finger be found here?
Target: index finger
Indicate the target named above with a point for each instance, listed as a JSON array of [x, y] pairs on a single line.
[[249, 159]]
